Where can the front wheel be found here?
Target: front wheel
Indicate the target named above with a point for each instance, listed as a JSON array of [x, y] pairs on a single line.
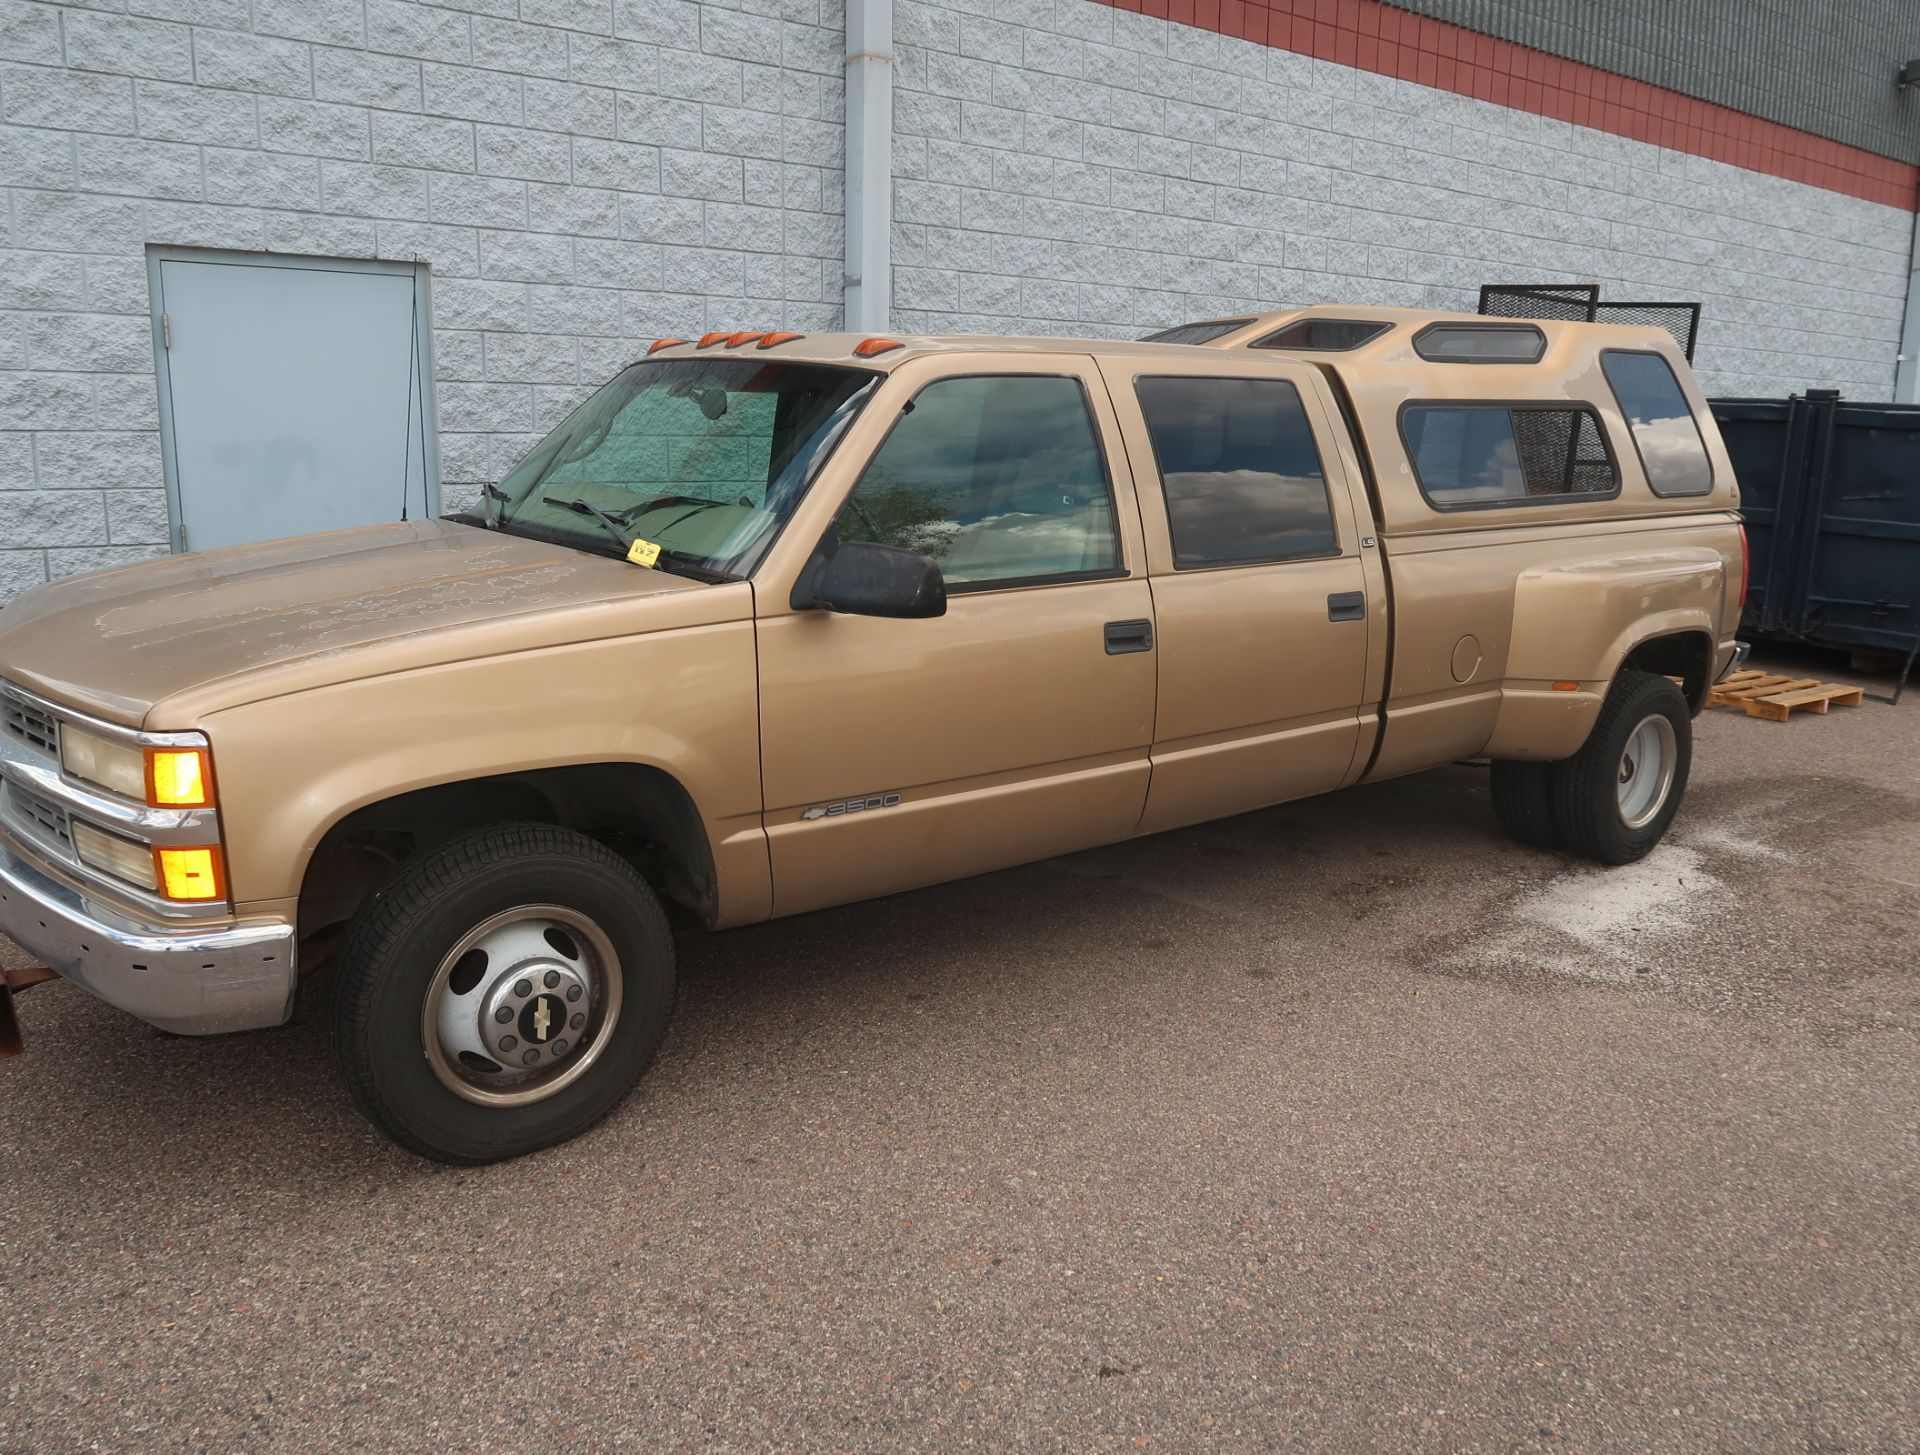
[[1614, 799], [502, 994]]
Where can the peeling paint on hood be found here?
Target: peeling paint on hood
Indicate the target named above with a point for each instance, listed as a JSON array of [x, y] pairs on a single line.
[[119, 641]]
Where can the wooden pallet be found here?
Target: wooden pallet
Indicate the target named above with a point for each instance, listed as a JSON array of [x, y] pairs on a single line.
[[1769, 695]]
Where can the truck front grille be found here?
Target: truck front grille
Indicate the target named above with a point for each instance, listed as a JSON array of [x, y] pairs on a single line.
[[30, 725], [35, 813]]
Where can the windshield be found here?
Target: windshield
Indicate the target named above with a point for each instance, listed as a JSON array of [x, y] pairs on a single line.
[[704, 458]]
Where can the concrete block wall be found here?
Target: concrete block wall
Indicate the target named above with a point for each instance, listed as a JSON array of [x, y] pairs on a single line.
[[581, 176], [1067, 167]]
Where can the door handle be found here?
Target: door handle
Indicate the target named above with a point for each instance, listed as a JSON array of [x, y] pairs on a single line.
[[1347, 606], [1129, 636]]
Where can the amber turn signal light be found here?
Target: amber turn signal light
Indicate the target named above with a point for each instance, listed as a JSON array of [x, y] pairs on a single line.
[[1566, 687], [778, 338], [663, 343], [708, 340], [179, 778], [734, 340], [193, 875], [867, 348]]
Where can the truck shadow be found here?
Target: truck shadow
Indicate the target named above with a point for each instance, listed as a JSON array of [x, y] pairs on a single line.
[[134, 1114]]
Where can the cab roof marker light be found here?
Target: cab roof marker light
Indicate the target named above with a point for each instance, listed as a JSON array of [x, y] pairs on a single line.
[[867, 348], [708, 340], [734, 340], [663, 343], [778, 338]]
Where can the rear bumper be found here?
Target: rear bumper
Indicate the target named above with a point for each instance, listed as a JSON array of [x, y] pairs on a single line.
[[1736, 659], [193, 982]]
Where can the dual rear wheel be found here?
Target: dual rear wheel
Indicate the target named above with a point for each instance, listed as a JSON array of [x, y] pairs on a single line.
[[1613, 800]]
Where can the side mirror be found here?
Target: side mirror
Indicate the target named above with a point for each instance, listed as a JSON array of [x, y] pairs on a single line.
[[863, 579]]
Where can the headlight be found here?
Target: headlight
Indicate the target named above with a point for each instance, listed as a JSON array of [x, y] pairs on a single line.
[[120, 767], [159, 777], [119, 857]]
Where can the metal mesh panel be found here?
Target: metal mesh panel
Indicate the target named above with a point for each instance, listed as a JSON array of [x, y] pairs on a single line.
[[1682, 320], [1568, 302], [1581, 303], [1561, 452]]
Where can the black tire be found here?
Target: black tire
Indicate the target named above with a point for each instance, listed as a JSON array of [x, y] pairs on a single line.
[[1523, 802], [1586, 787], [394, 948]]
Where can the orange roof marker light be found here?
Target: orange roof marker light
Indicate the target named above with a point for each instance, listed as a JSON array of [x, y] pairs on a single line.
[[778, 338], [708, 340], [867, 348], [663, 343], [734, 340]]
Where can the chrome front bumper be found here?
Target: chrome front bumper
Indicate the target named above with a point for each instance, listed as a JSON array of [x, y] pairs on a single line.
[[193, 982]]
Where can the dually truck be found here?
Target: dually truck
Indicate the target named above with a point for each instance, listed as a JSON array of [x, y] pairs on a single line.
[[775, 622]]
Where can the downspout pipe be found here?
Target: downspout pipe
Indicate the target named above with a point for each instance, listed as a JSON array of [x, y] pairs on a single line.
[[869, 220], [1906, 374]]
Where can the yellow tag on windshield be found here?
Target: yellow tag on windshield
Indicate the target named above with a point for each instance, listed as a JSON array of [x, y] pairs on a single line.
[[643, 553]]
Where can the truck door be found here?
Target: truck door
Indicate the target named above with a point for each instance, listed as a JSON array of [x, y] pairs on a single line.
[[1016, 726], [1269, 602]]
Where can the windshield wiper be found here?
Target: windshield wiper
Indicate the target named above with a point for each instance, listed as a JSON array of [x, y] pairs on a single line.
[[588, 508], [491, 494], [675, 563]]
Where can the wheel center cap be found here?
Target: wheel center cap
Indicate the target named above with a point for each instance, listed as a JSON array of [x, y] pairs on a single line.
[[534, 1013], [543, 1018]]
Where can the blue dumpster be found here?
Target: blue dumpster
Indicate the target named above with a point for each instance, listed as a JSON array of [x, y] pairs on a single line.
[[1831, 492]]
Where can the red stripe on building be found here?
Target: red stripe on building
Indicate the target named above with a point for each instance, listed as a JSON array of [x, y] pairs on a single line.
[[1373, 36]]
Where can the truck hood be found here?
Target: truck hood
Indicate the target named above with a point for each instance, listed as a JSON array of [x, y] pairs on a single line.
[[118, 642]]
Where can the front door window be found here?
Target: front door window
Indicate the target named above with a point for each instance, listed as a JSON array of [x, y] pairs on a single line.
[[999, 478]]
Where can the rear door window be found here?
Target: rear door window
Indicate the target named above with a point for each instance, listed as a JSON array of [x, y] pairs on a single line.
[[1000, 478], [1240, 471], [1664, 429], [1467, 455]]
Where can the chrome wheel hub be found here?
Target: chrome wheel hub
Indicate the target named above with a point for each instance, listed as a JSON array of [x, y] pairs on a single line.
[[521, 1005], [529, 1014], [1646, 770]]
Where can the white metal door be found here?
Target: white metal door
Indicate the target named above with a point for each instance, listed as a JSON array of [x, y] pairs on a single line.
[[293, 395]]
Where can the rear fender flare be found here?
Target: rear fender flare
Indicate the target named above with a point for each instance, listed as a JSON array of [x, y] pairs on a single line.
[[1579, 623]]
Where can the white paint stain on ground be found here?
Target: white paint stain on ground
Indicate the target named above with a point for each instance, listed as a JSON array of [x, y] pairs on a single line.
[[1630, 922]]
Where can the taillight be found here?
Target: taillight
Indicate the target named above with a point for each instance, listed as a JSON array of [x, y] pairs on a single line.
[[1746, 565]]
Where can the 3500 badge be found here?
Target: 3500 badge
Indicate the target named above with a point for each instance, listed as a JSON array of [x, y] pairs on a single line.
[[851, 805]]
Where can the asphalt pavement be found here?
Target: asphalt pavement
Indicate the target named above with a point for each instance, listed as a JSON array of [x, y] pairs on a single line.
[[1344, 1126]]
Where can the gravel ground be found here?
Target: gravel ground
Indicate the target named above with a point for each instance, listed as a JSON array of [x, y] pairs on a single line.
[[1347, 1126]]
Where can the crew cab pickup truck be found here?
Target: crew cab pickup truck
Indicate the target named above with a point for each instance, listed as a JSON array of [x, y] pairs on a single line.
[[774, 622]]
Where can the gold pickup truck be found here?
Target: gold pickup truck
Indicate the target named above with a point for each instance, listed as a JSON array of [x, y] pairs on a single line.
[[775, 622]]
